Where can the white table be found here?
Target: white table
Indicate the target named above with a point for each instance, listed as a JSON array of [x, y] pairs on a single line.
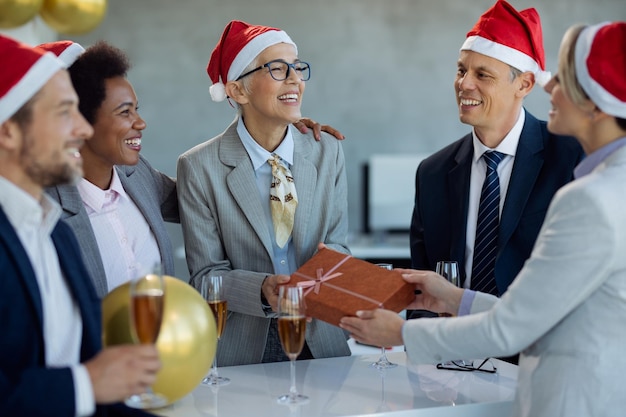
[[349, 387]]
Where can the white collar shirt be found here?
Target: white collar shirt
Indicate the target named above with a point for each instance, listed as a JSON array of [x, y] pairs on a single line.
[[127, 245], [508, 147], [34, 222]]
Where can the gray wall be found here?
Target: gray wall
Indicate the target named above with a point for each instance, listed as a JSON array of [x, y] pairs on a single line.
[[382, 71]]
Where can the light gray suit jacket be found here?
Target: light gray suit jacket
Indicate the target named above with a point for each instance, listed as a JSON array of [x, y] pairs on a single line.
[[566, 310], [225, 229], [153, 192]]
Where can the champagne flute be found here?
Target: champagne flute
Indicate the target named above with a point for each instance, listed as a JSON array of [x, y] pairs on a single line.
[[450, 271], [146, 314], [213, 292], [291, 331], [383, 362]]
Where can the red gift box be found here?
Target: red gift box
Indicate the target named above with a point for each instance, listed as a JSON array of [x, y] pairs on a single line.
[[337, 285]]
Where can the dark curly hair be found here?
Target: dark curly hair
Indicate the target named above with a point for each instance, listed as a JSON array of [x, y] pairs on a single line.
[[97, 64]]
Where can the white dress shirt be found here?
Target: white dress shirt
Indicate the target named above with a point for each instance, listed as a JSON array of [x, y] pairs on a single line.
[[62, 324], [508, 147], [127, 245]]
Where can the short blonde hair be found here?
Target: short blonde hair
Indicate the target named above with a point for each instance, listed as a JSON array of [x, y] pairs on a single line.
[[567, 66]]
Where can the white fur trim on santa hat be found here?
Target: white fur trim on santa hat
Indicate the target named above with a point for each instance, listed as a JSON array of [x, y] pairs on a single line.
[[217, 92], [508, 55], [69, 55], [254, 48], [606, 101], [34, 79]]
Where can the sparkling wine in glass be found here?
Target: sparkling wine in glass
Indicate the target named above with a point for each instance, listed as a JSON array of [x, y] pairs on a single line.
[[147, 295], [213, 292], [291, 331], [383, 362]]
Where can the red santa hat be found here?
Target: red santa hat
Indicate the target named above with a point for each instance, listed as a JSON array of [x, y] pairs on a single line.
[[239, 45], [66, 51], [29, 70], [600, 59], [512, 37]]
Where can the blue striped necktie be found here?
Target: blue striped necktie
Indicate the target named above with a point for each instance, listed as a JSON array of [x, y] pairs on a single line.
[[486, 242]]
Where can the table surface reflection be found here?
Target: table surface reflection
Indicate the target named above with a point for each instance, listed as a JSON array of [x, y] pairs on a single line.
[[347, 386]]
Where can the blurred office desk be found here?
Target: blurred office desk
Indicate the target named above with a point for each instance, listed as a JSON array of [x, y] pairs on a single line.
[[347, 386], [382, 247]]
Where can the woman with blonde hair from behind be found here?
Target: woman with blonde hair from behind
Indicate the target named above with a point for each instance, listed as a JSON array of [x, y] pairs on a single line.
[[565, 310]]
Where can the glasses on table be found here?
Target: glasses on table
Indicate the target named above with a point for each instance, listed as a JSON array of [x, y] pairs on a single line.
[[280, 70], [468, 366]]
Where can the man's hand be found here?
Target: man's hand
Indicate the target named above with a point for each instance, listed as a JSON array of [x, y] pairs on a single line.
[[120, 371], [270, 288], [375, 327], [304, 124], [438, 294]]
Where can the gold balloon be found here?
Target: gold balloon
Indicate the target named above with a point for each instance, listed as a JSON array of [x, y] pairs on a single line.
[[15, 13], [187, 340], [73, 17]]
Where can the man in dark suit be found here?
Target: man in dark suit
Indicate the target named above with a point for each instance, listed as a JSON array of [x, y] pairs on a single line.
[[499, 63], [51, 362]]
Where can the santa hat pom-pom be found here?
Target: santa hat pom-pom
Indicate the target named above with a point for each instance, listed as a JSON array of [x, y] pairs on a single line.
[[217, 91], [543, 77]]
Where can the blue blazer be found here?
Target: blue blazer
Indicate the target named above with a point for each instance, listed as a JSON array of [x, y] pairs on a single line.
[[27, 387], [543, 163]]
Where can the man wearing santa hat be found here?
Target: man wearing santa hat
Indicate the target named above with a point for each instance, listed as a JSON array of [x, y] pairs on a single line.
[[567, 307], [240, 223], [50, 359], [487, 218]]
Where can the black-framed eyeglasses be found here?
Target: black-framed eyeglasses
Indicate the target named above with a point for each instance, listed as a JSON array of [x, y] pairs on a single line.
[[485, 366], [279, 70]]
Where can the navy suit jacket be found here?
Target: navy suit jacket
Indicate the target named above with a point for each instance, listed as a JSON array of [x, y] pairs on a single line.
[[543, 163], [27, 387]]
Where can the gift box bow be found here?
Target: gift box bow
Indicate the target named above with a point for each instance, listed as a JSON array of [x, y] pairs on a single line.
[[313, 284]]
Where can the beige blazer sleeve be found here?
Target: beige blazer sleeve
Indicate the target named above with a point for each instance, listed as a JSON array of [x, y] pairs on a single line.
[[564, 311]]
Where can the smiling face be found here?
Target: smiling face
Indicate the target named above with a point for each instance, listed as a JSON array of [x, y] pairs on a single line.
[[49, 153], [117, 127], [271, 102], [486, 96], [572, 112], [565, 117]]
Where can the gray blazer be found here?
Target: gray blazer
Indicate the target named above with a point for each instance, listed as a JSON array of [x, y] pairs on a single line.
[[565, 310], [224, 229], [153, 192]]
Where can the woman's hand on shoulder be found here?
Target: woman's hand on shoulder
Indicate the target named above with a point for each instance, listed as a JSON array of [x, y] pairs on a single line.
[[304, 124]]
